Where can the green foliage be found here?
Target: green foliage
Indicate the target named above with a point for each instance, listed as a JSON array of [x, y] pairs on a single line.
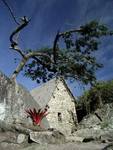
[[76, 59], [100, 94], [40, 69]]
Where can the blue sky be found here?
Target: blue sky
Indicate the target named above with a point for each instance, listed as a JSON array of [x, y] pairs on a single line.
[[48, 16]]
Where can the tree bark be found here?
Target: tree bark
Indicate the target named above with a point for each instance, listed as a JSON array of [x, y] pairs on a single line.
[[19, 68]]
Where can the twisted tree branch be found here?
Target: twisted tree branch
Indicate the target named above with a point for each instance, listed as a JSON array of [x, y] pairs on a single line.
[[19, 68], [24, 23], [57, 37], [31, 54], [25, 57], [69, 31]]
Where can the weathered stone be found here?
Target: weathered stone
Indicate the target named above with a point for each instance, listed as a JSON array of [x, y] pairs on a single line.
[[74, 139], [21, 138], [61, 102], [107, 136], [67, 146], [99, 129], [19, 128], [89, 121], [92, 121], [10, 146], [95, 134], [108, 147], [14, 100], [49, 137], [8, 136], [87, 133]]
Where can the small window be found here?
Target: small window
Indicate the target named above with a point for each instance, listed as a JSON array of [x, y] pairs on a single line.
[[59, 117]]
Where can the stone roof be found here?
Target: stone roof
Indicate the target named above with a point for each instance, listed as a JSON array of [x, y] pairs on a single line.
[[43, 94]]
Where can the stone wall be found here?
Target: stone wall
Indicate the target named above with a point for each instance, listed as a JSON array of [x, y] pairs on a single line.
[[62, 114], [14, 99]]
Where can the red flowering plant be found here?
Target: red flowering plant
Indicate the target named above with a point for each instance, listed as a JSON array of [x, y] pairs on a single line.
[[37, 116]]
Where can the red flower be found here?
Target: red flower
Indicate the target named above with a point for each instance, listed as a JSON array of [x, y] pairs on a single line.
[[37, 116]]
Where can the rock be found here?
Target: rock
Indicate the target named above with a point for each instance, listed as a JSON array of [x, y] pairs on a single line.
[[98, 126], [54, 137], [14, 100], [21, 138], [95, 134], [108, 147], [66, 146], [102, 118], [14, 128], [8, 136], [19, 128], [10, 146], [107, 136], [74, 139], [89, 121], [87, 133]]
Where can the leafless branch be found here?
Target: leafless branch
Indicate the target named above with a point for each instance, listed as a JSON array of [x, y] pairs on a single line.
[[14, 44], [24, 23], [17, 49], [11, 12]]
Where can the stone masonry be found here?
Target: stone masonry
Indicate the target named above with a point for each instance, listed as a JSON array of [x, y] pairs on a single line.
[[14, 100], [62, 113]]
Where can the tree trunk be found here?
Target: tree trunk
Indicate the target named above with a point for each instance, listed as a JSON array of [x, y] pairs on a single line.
[[19, 68]]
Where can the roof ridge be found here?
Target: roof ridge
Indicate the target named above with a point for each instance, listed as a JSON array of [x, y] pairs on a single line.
[[55, 86], [68, 89]]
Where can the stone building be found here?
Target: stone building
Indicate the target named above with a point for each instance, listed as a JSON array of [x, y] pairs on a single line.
[[14, 100], [61, 102]]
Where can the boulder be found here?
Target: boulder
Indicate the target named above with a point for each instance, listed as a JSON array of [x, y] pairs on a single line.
[[95, 134], [47, 137], [74, 139], [88, 132], [21, 138], [108, 147], [89, 121], [8, 137], [102, 118], [10, 146], [107, 136]]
